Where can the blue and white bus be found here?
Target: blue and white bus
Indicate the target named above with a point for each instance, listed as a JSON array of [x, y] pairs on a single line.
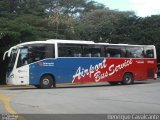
[[46, 63]]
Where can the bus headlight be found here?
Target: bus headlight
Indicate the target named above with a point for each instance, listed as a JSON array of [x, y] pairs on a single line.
[[12, 76]]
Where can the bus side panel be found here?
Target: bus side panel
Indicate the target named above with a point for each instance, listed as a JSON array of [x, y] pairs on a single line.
[[38, 69], [151, 68], [111, 69], [68, 68], [64, 69], [144, 69], [83, 70], [139, 69]]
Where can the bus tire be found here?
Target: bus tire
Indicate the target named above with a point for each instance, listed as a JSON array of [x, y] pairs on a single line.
[[127, 79], [46, 82], [113, 83]]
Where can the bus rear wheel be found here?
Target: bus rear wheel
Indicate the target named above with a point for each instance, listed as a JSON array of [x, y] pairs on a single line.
[[127, 79], [46, 82]]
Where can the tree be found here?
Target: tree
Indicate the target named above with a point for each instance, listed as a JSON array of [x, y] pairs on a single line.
[[103, 25]]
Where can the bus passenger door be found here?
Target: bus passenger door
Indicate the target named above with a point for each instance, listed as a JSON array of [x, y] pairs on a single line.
[[22, 68], [22, 75]]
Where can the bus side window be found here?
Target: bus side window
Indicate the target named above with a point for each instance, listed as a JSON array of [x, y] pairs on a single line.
[[115, 52], [77, 55], [134, 52], [129, 54], [88, 55], [69, 50], [93, 51], [40, 51], [97, 55], [69, 53], [108, 55], [149, 52]]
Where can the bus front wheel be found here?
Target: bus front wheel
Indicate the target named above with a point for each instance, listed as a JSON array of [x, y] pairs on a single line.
[[127, 79], [46, 82]]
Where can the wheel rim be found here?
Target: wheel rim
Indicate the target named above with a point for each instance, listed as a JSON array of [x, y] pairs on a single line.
[[128, 79], [45, 81]]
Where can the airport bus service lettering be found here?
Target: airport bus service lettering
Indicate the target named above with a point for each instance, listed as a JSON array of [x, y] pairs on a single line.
[[100, 71]]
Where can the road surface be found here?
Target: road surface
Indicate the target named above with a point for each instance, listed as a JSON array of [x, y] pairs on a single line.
[[141, 97]]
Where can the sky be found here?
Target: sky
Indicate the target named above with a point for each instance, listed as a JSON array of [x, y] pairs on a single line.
[[141, 8]]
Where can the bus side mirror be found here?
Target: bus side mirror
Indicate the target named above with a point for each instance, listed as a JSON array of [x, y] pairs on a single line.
[[4, 56]]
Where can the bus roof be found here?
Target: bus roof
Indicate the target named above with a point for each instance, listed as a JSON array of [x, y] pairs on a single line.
[[70, 41], [53, 41]]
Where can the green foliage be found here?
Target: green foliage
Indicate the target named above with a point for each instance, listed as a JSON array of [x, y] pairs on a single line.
[[28, 20], [104, 25]]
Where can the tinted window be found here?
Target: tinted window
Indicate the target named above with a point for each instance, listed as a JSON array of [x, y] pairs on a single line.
[[149, 52], [34, 53], [23, 57], [69, 50], [12, 59], [115, 51], [41, 51], [92, 51], [134, 52]]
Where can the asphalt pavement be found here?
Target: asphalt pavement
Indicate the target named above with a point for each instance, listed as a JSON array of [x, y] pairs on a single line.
[[142, 97]]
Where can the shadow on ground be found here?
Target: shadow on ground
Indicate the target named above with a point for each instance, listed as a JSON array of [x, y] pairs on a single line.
[[60, 86]]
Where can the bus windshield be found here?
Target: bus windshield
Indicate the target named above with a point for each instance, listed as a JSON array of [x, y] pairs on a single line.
[[12, 59]]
